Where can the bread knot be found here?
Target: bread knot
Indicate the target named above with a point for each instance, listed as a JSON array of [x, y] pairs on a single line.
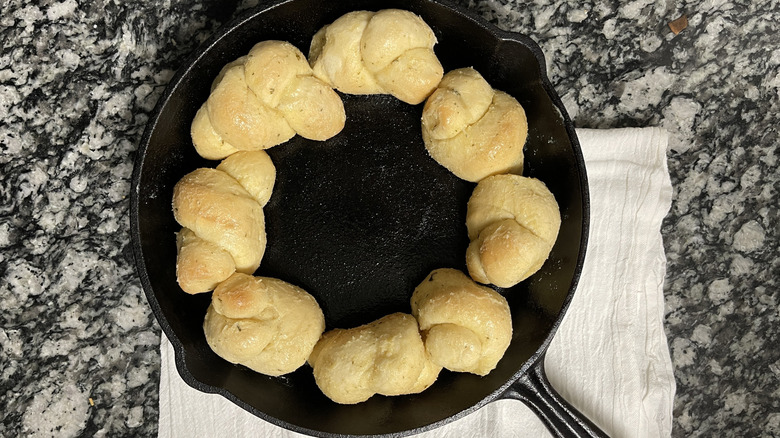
[[384, 52], [263, 99], [513, 223], [473, 130], [221, 212], [466, 327], [265, 324], [385, 356]]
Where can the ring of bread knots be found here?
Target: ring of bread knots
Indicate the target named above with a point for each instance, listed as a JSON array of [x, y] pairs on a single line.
[[267, 96]]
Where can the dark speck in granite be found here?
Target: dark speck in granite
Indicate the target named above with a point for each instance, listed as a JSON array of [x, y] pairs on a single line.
[[78, 81]]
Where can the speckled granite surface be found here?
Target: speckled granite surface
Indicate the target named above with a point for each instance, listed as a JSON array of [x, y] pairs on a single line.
[[78, 347]]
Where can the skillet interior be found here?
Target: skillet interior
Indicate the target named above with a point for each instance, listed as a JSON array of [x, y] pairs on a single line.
[[360, 219]]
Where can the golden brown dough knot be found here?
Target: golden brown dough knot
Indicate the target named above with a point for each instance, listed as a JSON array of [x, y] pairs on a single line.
[[466, 327], [264, 99], [263, 323], [473, 130], [221, 211], [385, 357], [513, 223], [384, 52]]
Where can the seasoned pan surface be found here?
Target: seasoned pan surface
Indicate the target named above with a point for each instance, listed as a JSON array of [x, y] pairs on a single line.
[[360, 219]]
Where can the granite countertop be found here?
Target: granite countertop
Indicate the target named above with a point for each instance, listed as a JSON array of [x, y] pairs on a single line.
[[78, 80]]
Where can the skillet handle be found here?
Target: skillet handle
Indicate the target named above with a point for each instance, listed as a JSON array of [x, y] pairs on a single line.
[[561, 418]]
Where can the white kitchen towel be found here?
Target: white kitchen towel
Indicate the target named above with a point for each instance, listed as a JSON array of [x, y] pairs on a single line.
[[609, 358]]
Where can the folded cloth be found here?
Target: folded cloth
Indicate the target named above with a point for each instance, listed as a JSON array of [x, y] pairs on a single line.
[[609, 358]]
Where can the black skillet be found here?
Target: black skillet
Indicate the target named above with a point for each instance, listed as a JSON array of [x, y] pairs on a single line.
[[360, 219]]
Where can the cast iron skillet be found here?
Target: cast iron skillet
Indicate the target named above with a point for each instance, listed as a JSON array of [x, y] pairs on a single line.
[[359, 220]]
